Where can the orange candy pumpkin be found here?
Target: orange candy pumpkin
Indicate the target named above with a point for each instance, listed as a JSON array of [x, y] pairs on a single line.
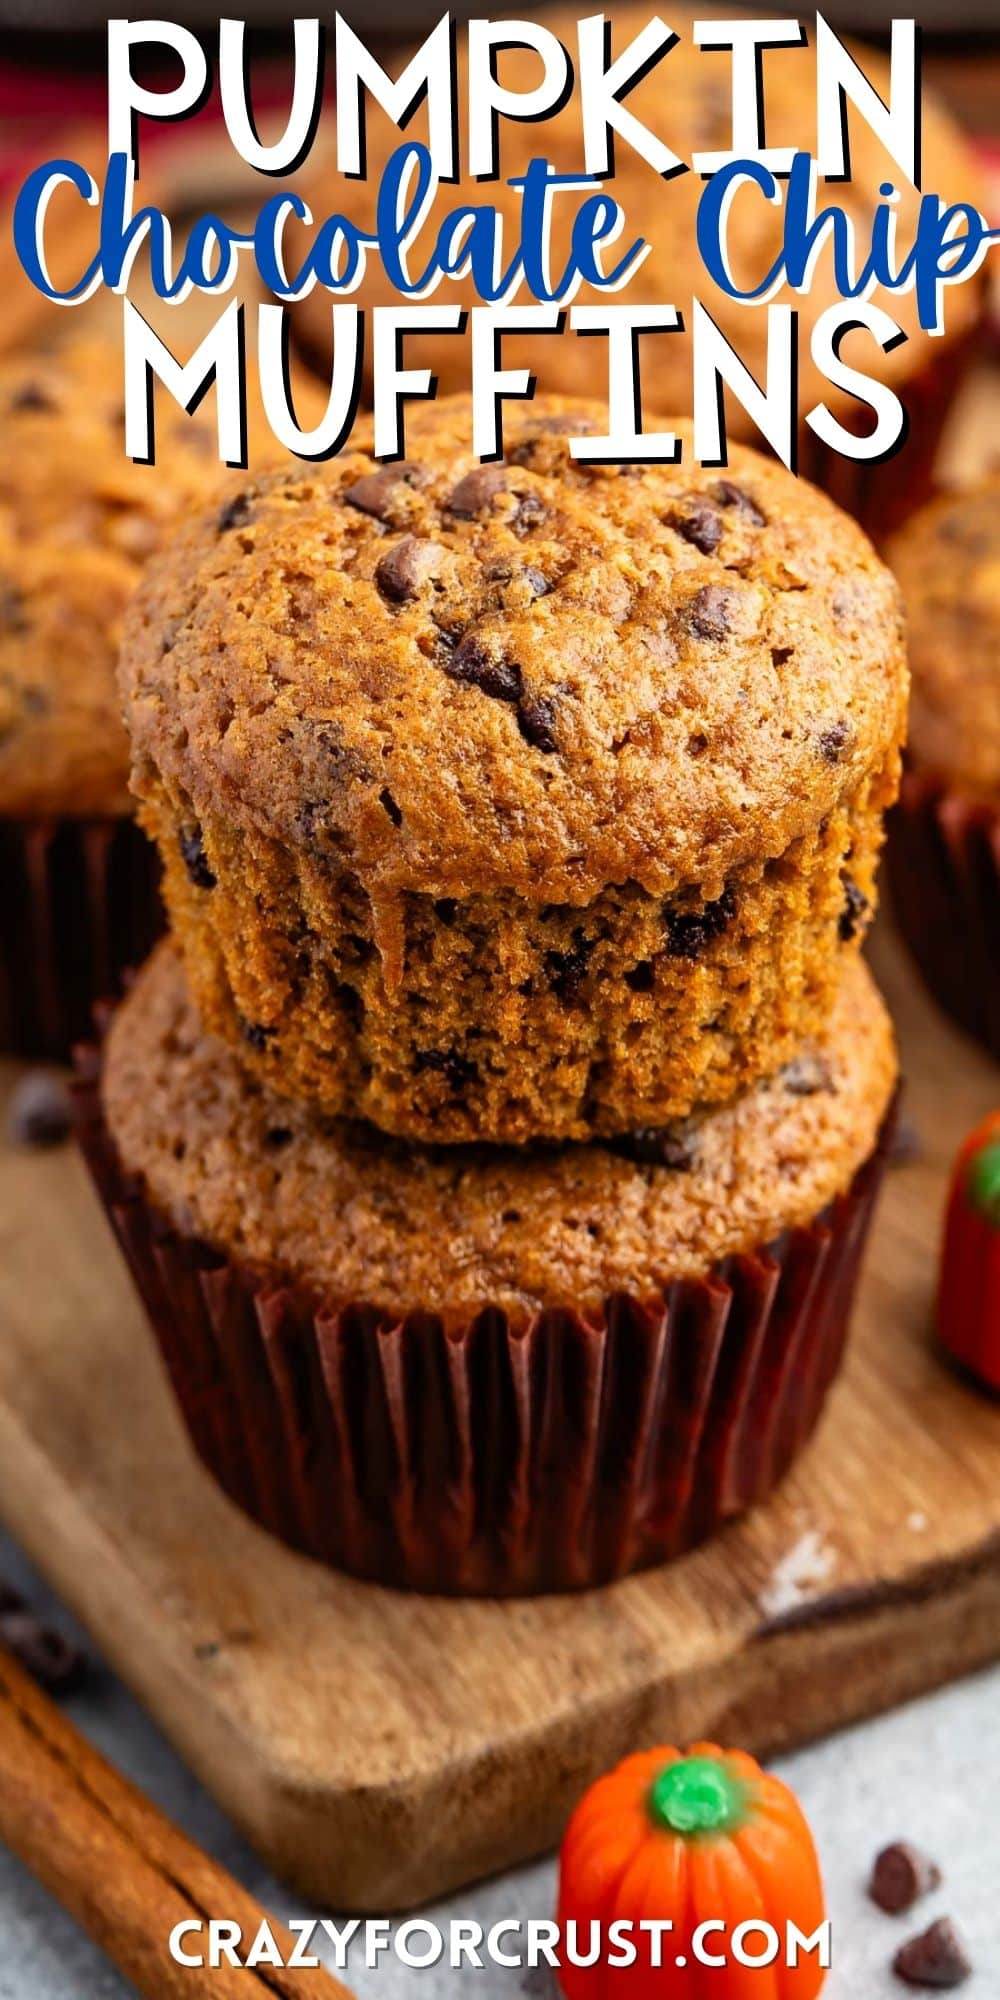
[[694, 1837], [968, 1300]]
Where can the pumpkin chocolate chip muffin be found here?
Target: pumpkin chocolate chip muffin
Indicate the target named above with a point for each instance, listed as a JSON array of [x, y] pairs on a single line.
[[517, 801], [78, 882], [477, 1368], [687, 99], [945, 845], [62, 746]]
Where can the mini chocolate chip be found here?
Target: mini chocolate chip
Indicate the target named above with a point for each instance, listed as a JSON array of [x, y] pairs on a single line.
[[807, 1075], [700, 526], [257, 1036], [278, 1136], [507, 572], [642, 977], [937, 1958], [386, 799], [529, 513], [456, 1069], [901, 1874], [194, 859], [568, 969], [537, 429], [237, 511], [50, 1659], [729, 495], [31, 397], [405, 568], [689, 931], [709, 611], [476, 491], [905, 1144], [831, 742], [536, 717], [656, 1146], [855, 911], [446, 910], [372, 493], [471, 664], [38, 1113], [352, 1004], [12, 607], [780, 655]]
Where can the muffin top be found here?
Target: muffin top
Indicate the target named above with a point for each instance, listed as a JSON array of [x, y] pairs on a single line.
[[77, 521], [947, 559], [63, 469], [353, 1215], [62, 746], [539, 675], [686, 98]]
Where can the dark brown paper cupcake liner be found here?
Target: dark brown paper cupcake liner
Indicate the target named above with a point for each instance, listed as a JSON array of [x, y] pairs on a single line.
[[943, 863], [79, 902], [881, 496], [493, 1460]]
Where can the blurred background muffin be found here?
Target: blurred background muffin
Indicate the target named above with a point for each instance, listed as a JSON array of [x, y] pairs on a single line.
[[944, 850], [687, 97], [78, 882]]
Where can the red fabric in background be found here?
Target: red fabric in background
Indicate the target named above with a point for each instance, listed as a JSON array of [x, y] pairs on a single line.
[[40, 109]]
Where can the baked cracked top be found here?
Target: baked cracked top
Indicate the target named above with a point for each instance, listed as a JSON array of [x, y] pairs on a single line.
[[538, 675], [62, 746], [63, 469], [947, 559], [686, 98], [353, 1215], [77, 522]]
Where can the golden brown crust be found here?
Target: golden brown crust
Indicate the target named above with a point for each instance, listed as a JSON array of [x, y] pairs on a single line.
[[947, 559], [592, 676], [63, 469], [77, 521], [355, 1216], [62, 746], [687, 99], [525, 801], [490, 1017]]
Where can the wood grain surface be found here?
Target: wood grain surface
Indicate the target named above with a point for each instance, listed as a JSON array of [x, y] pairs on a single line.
[[378, 1749]]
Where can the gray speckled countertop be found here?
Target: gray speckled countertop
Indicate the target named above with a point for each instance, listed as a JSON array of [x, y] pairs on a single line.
[[929, 1773]]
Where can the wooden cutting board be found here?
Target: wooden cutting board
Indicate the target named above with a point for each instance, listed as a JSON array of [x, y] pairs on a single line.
[[379, 1749]]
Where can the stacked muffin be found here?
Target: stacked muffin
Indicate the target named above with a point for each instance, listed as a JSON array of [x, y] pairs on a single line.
[[494, 1141], [687, 99]]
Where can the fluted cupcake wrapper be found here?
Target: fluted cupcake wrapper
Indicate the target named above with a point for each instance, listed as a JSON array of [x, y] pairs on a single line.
[[79, 902], [943, 862], [490, 1459]]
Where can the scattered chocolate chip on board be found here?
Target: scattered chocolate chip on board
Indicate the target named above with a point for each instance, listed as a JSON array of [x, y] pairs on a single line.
[[936, 1959], [56, 1664], [900, 1876], [39, 1112]]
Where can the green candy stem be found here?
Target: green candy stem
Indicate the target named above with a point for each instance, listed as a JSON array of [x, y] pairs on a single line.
[[697, 1795], [984, 1181]]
